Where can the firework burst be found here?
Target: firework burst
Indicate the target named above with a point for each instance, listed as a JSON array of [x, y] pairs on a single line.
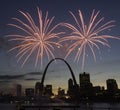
[[39, 38], [83, 36]]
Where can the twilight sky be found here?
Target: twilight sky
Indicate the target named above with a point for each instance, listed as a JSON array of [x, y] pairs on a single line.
[[106, 66]]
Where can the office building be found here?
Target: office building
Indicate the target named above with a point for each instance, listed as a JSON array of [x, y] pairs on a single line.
[[84, 78], [86, 87], [111, 85], [61, 92], [18, 90], [29, 92], [70, 87], [48, 90], [38, 89]]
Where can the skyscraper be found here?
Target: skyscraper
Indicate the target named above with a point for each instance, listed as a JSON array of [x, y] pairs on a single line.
[[70, 87], [86, 87], [84, 78], [38, 89], [18, 90], [61, 92], [112, 85], [29, 92], [48, 90]]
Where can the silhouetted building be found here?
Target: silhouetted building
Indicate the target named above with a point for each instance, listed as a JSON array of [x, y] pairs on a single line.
[[38, 89], [48, 90], [98, 90], [70, 84], [70, 87], [61, 92], [112, 86], [18, 90], [86, 87], [84, 78], [29, 92]]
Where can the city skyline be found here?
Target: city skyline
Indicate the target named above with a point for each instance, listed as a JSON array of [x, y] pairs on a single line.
[[105, 67], [84, 83]]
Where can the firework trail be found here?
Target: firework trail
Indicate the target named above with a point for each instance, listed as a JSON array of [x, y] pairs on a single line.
[[83, 36], [39, 38]]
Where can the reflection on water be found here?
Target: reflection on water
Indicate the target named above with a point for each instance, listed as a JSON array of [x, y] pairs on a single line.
[[87, 106], [8, 107]]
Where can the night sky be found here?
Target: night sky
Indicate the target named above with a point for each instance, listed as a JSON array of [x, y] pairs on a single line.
[[106, 66]]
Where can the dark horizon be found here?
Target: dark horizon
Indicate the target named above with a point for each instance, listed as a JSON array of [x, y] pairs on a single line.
[[12, 90], [84, 92]]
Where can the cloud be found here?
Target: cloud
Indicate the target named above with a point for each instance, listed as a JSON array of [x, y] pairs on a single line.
[[17, 76], [6, 78], [5, 84], [32, 79], [11, 76], [98, 73], [34, 73], [4, 81]]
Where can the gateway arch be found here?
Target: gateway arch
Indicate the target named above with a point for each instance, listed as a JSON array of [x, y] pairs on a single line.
[[45, 71]]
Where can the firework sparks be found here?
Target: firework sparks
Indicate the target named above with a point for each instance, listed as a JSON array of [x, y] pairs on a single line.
[[39, 38], [83, 36]]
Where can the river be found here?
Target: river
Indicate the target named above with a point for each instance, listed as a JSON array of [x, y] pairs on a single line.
[[65, 106]]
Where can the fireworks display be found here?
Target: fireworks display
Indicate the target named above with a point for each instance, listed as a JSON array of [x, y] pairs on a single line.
[[39, 38], [84, 36]]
